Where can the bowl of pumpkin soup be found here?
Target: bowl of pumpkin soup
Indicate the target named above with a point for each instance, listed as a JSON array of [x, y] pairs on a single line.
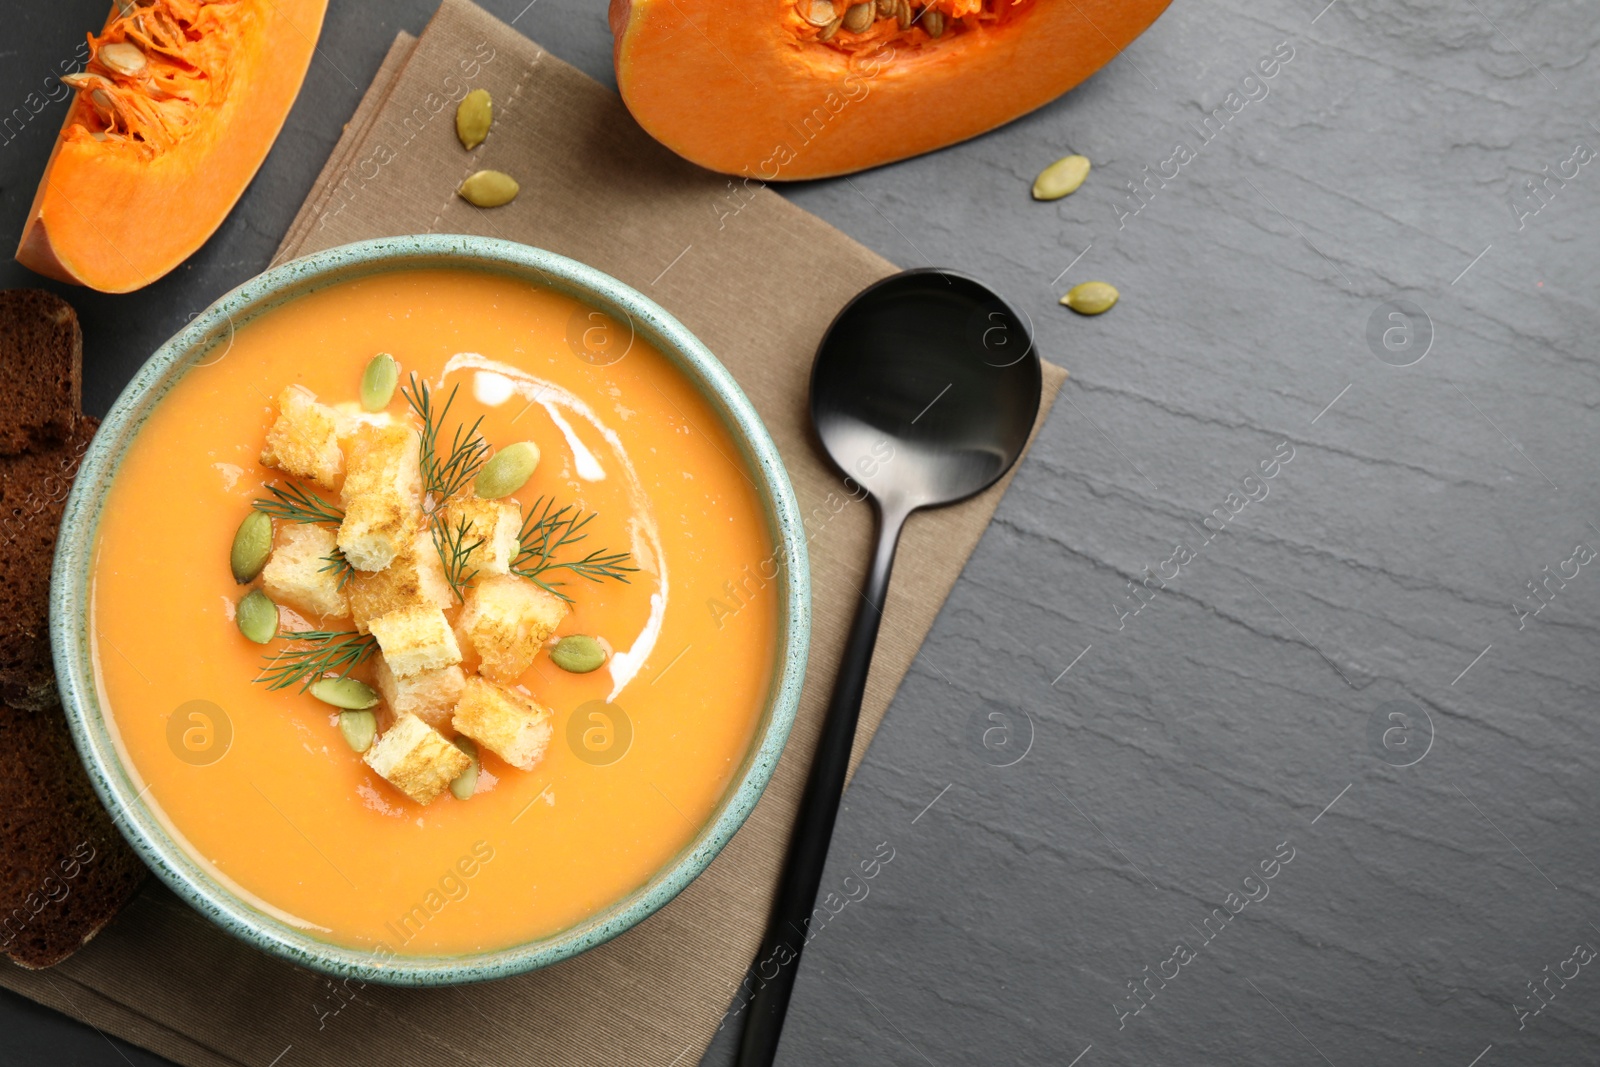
[[431, 609]]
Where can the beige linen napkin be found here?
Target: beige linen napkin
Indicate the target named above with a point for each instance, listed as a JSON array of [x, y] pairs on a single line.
[[758, 280]]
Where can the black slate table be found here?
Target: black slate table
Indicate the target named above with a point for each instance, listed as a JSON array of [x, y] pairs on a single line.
[[1261, 728]]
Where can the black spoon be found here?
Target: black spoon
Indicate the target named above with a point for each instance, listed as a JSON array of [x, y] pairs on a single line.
[[924, 391]]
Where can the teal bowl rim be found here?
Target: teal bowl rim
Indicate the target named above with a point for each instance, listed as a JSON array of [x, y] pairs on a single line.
[[70, 598]]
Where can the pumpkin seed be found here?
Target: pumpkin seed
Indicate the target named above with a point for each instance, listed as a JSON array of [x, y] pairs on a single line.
[[252, 544], [507, 471], [358, 728], [122, 57], [345, 693], [905, 17], [933, 22], [79, 80], [1061, 178], [817, 12], [578, 654], [488, 188], [105, 107], [473, 116], [830, 29], [465, 783], [1090, 298], [378, 382], [257, 617], [860, 17], [887, 9]]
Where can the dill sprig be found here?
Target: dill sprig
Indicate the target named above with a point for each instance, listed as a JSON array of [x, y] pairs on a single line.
[[444, 476], [297, 504], [342, 570], [546, 532], [454, 552], [327, 650]]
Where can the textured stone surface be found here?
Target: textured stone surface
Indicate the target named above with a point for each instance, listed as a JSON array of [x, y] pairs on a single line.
[[1188, 741]]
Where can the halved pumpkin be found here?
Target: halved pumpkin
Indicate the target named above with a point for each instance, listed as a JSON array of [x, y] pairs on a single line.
[[178, 106], [783, 89]]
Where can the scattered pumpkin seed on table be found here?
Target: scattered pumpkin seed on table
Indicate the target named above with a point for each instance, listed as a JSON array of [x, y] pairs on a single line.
[[1091, 298], [473, 117], [488, 188], [252, 544], [378, 382], [507, 471], [358, 729], [257, 617], [1061, 178]]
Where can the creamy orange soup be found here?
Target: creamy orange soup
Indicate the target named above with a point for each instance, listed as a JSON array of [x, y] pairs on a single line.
[[269, 794]]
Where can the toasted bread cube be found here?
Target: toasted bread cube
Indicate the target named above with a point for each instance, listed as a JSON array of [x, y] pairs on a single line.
[[508, 723], [382, 494], [496, 523], [506, 620], [414, 578], [413, 640], [416, 759], [298, 573], [304, 440], [429, 695], [381, 457]]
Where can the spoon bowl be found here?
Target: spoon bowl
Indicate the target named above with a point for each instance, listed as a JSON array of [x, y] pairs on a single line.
[[924, 392], [933, 365]]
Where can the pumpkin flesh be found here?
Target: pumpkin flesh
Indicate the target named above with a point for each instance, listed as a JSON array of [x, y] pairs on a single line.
[[778, 90], [176, 109]]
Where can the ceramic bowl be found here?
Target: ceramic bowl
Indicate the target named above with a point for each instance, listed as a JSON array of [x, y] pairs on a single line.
[[208, 334]]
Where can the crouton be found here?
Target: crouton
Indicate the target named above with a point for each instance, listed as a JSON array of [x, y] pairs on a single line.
[[507, 722], [505, 621], [416, 759], [298, 573], [304, 439], [382, 494], [429, 695], [414, 578], [494, 522], [414, 640]]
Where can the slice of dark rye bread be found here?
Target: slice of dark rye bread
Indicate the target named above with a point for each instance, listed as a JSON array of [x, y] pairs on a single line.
[[41, 369], [33, 492], [65, 871]]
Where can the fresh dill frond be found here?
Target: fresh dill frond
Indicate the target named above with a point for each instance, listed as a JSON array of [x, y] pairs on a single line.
[[546, 532], [326, 650], [454, 553], [444, 476], [295, 503], [336, 562]]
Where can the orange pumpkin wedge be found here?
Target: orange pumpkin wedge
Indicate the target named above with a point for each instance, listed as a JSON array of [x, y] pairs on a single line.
[[176, 109], [779, 89]]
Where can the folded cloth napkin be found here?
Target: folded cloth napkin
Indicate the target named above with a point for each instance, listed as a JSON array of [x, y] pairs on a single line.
[[758, 280]]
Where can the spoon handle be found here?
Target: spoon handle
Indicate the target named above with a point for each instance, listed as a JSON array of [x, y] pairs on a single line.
[[779, 958]]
